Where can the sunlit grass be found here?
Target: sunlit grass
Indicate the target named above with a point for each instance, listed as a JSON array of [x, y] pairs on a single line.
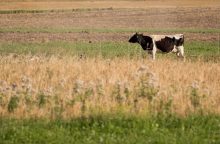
[[66, 87], [193, 50]]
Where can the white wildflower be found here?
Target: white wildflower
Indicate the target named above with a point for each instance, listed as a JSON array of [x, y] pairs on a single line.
[[195, 84], [79, 86], [153, 80], [62, 82], [143, 69]]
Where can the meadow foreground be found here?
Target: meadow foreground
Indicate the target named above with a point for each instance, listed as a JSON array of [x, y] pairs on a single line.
[[39, 86], [69, 75]]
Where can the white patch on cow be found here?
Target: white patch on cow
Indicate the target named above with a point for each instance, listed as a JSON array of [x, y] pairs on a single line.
[[159, 37], [175, 50], [177, 36]]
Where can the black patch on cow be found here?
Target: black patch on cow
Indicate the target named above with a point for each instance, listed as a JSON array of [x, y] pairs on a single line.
[[146, 42], [166, 44]]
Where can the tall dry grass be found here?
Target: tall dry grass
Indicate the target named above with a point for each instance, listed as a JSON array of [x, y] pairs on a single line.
[[32, 86]]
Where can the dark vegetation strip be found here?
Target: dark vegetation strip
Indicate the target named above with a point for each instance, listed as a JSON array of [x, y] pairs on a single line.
[[112, 129], [193, 50], [106, 30], [52, 10]]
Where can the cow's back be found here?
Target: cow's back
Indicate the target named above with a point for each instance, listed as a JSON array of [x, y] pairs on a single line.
[[167, 43]]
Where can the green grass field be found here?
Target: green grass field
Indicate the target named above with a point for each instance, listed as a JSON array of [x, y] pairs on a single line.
[[204, 50], [113, 129]]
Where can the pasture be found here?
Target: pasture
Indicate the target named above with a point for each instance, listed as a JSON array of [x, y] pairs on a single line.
[[69, 75]]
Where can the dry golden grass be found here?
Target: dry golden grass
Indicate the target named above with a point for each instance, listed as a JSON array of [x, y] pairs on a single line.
[[72, 87], [50, 4]]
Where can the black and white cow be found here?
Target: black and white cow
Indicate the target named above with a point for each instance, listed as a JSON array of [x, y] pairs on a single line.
[[164, 43]]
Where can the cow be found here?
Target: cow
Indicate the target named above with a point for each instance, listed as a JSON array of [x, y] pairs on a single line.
[[163, 43]]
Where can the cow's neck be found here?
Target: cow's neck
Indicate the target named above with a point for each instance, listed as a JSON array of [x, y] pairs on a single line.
[[143, 43]]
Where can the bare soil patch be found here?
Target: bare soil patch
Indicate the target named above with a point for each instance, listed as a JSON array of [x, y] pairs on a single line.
[[118, 18], [91, 37], [152, 18]]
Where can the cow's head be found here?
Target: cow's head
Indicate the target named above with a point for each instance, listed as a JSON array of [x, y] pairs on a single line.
[[135, 38]]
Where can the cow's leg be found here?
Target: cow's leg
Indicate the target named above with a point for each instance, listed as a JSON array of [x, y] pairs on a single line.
[[149, 54], [154, 54], [181, 52], [154, 51]]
